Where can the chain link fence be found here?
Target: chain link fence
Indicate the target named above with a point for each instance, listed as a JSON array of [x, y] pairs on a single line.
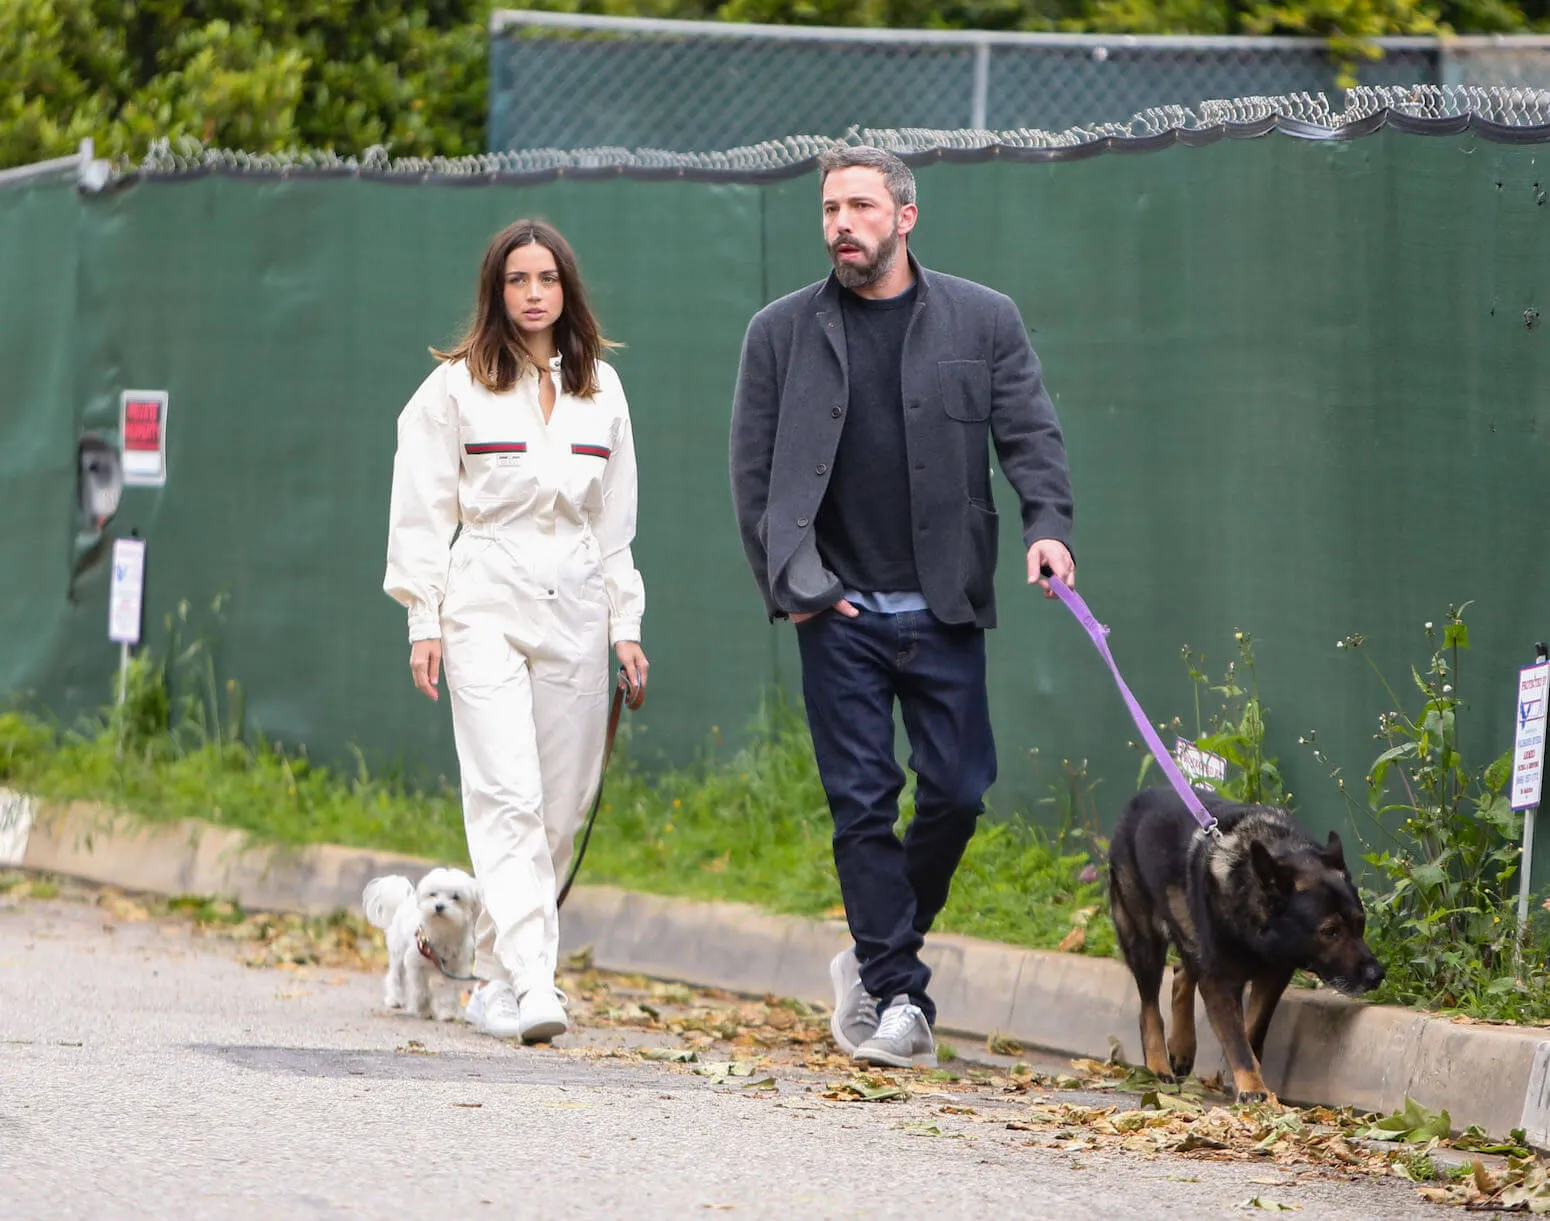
[[574, 81]]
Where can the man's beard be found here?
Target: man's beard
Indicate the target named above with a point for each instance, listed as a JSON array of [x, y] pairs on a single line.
[[859, 275]]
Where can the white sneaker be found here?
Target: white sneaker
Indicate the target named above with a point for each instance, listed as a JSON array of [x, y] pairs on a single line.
[[854, 1019], [543, 1014], [903, 1038], [493, 1009]]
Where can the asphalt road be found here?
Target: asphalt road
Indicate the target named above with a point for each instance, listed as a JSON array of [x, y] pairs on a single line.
[[146, 1072]]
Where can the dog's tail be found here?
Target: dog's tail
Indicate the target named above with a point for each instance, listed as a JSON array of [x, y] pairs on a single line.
[[383, 896]]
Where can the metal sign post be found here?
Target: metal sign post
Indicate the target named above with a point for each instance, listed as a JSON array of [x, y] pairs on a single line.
[[1528, 764]]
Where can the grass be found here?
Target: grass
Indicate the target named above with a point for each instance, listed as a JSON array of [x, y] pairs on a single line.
[[750, 826]]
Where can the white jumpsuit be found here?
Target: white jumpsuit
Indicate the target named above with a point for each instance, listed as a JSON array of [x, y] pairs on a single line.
[[526, 602]]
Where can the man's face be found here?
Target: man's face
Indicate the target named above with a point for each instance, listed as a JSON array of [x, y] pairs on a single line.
[[861, 225]]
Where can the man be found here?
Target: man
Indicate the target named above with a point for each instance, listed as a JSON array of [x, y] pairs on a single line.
[[864, 412]]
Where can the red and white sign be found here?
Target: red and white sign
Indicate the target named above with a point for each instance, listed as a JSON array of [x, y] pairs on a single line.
[[1528, 748], [142, 427]]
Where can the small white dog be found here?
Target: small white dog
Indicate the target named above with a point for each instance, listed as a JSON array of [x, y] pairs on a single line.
[[438, 914]]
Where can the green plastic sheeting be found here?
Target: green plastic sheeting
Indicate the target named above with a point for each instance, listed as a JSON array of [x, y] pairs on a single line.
[[1303, 386]]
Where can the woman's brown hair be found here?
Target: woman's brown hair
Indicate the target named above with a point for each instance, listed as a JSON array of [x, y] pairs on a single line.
[[493, 348]]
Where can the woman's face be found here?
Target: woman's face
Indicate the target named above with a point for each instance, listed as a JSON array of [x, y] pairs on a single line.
[[533, 295]]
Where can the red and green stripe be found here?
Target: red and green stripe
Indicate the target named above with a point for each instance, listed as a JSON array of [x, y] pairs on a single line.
[[496, 447], [592, 451]]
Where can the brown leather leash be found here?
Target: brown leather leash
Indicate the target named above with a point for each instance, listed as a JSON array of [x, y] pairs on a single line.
[[614, 709], [428, 952]]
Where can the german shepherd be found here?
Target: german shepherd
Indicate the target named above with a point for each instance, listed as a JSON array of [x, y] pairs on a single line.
[[1252, 906]]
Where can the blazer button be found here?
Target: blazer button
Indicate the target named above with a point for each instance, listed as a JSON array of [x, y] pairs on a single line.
[[837, 412], [821, 468], [802, 522]]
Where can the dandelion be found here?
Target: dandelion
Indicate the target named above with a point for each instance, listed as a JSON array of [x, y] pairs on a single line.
[[1446, 689], [1428, 625]]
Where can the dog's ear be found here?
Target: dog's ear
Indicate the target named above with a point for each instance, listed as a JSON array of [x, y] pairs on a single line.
[[1334, 853], [1274, 875], [476, 891]]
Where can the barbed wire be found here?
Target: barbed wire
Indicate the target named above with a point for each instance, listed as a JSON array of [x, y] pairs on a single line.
[[1518, 114]]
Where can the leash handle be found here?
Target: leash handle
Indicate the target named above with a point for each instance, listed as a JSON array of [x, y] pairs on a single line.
[[1098, 633]]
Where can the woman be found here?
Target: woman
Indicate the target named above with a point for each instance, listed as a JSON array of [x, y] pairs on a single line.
[[522, 437]]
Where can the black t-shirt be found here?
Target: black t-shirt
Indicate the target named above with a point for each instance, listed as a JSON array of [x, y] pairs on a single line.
[[864, 523]]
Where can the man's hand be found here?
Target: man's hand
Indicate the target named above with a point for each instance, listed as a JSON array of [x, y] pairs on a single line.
[[425, 666], [844, 608], [1047, 552]]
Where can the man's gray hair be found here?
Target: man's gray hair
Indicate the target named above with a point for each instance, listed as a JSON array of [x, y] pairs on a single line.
[[898, 176]]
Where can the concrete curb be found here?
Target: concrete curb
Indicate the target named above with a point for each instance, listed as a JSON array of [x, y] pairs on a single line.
[[1322, 1048]]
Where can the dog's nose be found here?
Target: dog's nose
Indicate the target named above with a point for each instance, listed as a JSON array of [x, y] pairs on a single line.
[[440, 908], [1374, 974]]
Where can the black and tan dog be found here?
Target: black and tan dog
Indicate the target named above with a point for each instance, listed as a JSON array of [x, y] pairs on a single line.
[[1250, 907]]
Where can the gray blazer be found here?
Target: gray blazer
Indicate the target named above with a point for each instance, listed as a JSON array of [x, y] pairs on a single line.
[[969, 377]]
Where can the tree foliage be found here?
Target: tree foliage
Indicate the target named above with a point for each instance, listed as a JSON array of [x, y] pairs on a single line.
[[268, 75], [262, 75]]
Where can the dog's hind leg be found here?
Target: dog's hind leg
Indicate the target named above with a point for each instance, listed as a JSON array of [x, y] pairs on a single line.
[[1145, 953], [1181, 1040], [1224, 1006], [1263, 997]]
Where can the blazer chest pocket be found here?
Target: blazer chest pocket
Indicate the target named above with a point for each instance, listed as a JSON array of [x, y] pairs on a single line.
[[965, 387]]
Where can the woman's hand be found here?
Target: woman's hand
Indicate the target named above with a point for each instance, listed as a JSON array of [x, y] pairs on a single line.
[[635, 666], [425, 666]]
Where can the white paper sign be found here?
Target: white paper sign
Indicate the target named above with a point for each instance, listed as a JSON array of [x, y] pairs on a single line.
[[127, 593], [16, 815], [1528, 748], [142, 430], [1197, 763]]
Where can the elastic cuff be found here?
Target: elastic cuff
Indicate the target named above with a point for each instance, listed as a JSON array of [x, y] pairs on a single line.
[[424, 627], [624, 630]]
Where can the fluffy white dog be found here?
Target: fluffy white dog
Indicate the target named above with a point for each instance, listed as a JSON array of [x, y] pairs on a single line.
[[438, 914]]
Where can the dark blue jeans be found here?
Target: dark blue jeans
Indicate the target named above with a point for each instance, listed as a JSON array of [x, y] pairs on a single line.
[[852, 671]]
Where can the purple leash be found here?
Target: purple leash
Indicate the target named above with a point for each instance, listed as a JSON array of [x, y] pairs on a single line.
[[1098, 633]]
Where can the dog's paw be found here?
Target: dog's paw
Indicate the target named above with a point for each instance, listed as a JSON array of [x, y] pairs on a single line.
[[1245, 1097], [1182, 1066]]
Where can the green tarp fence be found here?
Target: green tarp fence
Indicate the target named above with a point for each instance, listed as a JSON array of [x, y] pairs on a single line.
[[1303, 382]]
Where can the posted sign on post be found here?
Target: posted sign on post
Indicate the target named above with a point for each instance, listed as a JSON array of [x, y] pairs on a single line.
[[1528, 750], [1200, 765], [127, 592], [142, 425], [126, 598]]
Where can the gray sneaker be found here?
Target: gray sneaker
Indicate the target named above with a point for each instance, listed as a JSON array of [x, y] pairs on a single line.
[[854, 1020], [903, 1038]]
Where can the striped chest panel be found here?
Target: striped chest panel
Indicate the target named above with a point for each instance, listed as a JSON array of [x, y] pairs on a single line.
[[495, 447]]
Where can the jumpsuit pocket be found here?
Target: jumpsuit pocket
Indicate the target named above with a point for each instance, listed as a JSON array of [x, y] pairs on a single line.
[[462, 574], [477, 655]]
